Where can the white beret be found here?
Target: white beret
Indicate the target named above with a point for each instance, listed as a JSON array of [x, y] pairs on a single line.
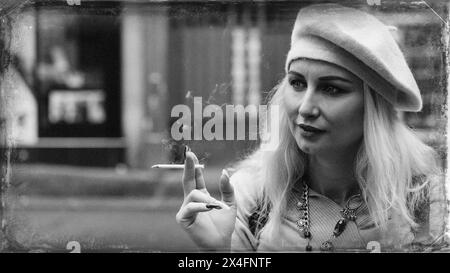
[[360, 43]]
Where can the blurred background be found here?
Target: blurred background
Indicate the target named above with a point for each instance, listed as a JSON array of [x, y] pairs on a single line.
[[91, 85]]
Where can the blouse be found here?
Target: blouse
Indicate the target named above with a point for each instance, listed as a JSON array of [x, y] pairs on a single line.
[[324, 214]]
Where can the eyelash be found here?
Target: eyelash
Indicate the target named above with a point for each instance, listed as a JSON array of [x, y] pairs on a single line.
[[337, 91], [293, 83]]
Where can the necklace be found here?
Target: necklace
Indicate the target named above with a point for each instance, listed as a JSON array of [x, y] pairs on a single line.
[[348, 213]]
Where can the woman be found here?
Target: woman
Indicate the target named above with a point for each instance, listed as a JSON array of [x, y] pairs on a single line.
[[346, 170]]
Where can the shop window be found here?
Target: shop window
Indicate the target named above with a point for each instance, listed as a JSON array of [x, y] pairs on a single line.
[[78, 73]]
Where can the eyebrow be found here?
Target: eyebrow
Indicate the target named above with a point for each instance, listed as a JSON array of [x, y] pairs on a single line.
[[296, 74], [326, 78], [334, 78]]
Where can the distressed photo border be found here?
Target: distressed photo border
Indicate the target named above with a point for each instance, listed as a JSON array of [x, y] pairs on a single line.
[[11, 9]]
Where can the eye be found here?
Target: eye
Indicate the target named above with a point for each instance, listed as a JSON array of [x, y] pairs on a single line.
[[332, 90], [297, 84]]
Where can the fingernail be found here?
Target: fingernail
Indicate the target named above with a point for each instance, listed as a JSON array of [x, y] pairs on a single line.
[[225, 172], [213, 206], [186, 149]]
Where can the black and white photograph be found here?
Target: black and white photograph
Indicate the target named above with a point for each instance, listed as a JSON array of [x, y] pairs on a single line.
[[243, 127]]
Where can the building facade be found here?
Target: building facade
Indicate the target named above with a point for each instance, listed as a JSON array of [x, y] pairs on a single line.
[[105, 75]]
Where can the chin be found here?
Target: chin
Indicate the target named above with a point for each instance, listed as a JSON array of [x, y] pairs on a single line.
[[306, 147]]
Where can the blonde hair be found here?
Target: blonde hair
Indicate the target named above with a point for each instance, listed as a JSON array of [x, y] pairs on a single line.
[[393, 166]]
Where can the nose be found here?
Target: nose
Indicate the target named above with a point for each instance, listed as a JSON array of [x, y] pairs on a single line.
[[308, 107]]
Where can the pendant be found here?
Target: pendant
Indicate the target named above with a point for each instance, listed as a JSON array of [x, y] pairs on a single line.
[[349, 214], [340, 227], [307, 233], [327, 246], [301, 205], [302, 223]]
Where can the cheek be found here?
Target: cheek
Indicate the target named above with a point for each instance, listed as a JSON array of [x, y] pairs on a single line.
[[349, 120], [291, 109], [356, 124], [291, 103]]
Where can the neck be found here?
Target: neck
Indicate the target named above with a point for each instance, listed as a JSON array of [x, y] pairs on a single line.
[[333, 176]]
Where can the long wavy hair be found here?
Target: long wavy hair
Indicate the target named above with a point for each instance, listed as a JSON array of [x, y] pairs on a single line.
[[393, 166]]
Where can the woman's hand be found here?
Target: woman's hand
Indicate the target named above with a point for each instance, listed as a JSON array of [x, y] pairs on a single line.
[[209, 228]]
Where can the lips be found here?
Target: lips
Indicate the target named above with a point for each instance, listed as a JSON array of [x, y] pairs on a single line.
[[309, 132], [310, 129]]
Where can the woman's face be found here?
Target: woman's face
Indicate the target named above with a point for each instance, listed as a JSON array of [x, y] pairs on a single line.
[[325, 106]]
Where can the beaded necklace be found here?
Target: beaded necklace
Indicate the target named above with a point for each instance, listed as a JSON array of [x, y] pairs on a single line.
[[304, 224]]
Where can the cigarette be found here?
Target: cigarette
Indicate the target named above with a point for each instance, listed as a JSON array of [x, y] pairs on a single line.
[[175, 166]]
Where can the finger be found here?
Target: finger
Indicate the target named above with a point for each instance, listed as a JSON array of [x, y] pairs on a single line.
[[199, 197], [222, 205], [190, 210], [188, 174], [226, 189], [199, 180]]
